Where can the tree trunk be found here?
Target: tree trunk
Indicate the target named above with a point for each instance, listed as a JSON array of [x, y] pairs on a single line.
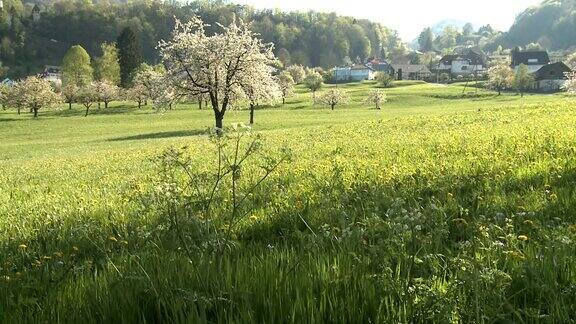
[[98, 104], [139, 104], [219, 122], [35, 112], [70, 105], [200, 104], [170, 106], [106, 104], [283, 100], [18, 110], [251, 114], [499, 92], [87, 108], [332, 105]]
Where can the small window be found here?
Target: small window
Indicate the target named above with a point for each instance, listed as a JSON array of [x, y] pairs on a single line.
[[532, 60]]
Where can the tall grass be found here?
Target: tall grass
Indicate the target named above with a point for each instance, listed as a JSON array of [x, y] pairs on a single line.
[[437, 209]]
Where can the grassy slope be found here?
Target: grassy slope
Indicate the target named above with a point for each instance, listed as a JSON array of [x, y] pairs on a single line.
[[66, 181]]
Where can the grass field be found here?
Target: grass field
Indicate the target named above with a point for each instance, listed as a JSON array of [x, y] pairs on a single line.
[[438, 208]]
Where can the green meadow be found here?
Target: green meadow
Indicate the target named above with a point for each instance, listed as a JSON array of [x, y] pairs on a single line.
[[451, 204]]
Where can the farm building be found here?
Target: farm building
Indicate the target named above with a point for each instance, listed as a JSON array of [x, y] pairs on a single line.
[[534, 60], [551, 77], [357, 72], [471, 61], [410, 72]]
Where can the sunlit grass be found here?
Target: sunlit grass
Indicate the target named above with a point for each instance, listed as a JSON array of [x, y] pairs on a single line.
[[437, 208]]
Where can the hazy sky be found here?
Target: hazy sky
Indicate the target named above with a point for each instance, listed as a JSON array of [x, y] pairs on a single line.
[[409, 17]]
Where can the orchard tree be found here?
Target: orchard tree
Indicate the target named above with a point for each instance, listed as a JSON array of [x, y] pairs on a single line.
[[261, 91], [221, 65], [376, 97], [157, 86], [385, 79], [76, 68], [334, 97], [69, 93], [138, 93], [34, 94], [571, 61], [298, 73], [314, 82], [286, 85], [87, 96], [570, 84], [129, 55], [4, 91], [106, 91], [500, 77], [106, 67], [523, 80]]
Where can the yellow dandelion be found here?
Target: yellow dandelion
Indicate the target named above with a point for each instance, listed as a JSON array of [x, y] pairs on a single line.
[[523, 238]]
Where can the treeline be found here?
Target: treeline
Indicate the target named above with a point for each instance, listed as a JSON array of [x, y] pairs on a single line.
[[29, 41], [451, 38], [552, 24]]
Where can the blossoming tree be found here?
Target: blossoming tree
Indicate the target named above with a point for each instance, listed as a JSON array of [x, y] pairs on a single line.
[[107, 92], [158, 88], [33, 93], [222, 65], [376, 97], [286, 84], [260, 91], [334, 97], [500, 77], [570, 84]]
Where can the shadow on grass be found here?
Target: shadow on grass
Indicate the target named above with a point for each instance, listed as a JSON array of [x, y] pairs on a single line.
[[160, 135], [80, 111], [2, 120]]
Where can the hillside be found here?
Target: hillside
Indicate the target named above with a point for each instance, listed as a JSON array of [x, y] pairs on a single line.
[[313, 39], [552, 24]]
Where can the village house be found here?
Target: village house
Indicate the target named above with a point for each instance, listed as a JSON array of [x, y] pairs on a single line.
[[471, 61], [357, 72], [410, 72], [551, 77], [53, 74], [534, 60]]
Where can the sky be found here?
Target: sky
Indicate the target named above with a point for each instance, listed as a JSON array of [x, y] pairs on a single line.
[[409, 17]]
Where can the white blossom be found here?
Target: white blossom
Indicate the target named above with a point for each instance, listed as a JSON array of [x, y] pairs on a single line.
[[222, 66]]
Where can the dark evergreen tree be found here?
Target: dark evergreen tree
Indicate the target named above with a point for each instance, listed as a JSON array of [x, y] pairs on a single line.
[[129, 55], [426, 40]]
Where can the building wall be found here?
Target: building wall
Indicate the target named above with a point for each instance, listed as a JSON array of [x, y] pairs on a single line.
[[550, 85], [463, 67], [359, 75]]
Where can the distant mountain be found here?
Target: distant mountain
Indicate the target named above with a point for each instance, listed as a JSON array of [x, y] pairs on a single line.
[[552, 24], [438, 28]]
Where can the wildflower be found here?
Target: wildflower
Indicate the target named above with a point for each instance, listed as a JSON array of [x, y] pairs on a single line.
[[112, 238], [529, 222], [124, 242], [22, 247], [253, 217], [523, 238]]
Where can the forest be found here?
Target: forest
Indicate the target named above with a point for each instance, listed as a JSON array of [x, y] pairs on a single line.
[[29, 41]]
